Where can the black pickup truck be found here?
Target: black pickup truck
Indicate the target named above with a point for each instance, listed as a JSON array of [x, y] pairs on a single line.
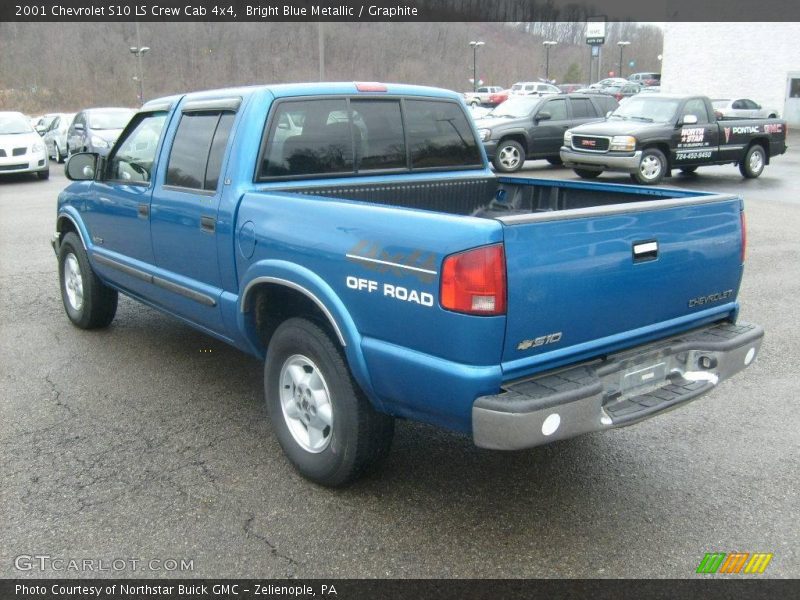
[[649, 135]]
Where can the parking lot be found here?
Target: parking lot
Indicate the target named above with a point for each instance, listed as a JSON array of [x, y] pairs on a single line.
[[149, 441]]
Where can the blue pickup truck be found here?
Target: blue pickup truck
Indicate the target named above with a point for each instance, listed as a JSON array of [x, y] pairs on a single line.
[[354, 238]]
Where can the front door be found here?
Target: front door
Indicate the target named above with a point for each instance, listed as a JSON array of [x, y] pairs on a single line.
[[117, 212], [548, 134]]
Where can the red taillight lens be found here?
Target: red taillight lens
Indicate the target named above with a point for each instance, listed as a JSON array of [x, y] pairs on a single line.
[[744, 236], [619, 96], [474, 282]]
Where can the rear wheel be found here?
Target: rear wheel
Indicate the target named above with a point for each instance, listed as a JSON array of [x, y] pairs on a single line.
[[474, 103], [323, 421], [587, 173], [90, 304], [652, 167], [509, 156], [754, 161]]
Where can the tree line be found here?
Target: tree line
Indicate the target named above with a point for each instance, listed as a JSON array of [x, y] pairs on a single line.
[[69, 66]]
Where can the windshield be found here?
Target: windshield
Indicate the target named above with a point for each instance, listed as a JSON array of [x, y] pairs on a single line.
[[14, 124], [109, 120], [516, 86], [520, 106], [651, 109]]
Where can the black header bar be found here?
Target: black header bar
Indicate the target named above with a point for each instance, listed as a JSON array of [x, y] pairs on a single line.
[[399, 10]]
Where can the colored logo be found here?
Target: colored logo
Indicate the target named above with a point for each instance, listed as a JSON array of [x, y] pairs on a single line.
[[734, 562], [588, 143], [727, 131]]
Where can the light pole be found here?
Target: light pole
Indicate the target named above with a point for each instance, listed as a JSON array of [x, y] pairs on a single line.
[[475, 64], [547, 60], [621, 46], [138, 50]]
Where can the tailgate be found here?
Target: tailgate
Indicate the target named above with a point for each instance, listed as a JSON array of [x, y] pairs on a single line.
[[585, 282]]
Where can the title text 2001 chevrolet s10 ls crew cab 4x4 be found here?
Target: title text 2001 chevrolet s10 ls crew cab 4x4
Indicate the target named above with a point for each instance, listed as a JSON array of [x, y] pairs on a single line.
[[354, 237]]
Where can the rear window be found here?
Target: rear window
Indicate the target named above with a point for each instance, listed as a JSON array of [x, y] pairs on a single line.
[[319, 137], [439, 135]]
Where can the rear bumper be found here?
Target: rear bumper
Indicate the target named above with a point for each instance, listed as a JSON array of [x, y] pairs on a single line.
[[620, 390], [600, 161]]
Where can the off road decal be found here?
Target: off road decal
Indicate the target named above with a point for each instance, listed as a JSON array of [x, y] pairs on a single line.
[[417, 263]]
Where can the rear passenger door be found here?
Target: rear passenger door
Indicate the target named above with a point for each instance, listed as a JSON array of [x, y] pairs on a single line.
[[184, 211], [548, 134]]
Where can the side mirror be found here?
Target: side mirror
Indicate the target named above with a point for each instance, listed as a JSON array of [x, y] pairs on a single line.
[[78, 127], [689, 120], [543, 116], [81, 166]]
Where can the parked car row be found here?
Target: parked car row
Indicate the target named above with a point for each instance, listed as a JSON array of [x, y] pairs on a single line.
[[26, 143]]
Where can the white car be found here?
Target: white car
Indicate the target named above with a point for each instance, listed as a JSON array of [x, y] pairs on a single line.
[[743, 108], [22, 150], [55, 138], [533, 88]]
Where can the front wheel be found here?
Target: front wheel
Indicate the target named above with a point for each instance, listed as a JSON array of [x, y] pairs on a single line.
[[754, 161], [688, 169], [509, 157], [652, 167], [555, 161], [587, 173], [323, 421], [43, 174], [90, 304]]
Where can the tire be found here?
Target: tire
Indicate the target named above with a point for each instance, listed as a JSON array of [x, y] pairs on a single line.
[[474, 103], [587, 173], [59, 156], [754, 161], [555, 161], [773, 116], [652, 167], [90, 304], [509, 156], [43, 174], [688, 169], [307, 382]]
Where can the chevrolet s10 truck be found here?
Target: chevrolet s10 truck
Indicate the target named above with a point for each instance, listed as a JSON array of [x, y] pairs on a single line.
[[354, 238], [651, 134]]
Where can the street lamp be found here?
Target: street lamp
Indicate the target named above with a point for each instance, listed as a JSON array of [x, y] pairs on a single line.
[[621, 46], [138, 51], [475, 64], [547, 60]]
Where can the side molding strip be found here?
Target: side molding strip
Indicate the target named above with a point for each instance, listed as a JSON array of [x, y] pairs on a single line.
[[155, 280]]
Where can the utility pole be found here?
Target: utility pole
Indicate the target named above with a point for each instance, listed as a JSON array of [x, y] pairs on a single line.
[[621, 46]]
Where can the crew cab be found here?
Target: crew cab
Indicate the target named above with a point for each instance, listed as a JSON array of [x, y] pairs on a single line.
[[532, 127], [353, 237], [649, 135]]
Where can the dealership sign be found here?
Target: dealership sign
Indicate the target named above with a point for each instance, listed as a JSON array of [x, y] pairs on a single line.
[[596, 32]]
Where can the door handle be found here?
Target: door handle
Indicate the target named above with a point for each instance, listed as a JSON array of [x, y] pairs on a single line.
[[645, 251], [143, 211], [208, 224]]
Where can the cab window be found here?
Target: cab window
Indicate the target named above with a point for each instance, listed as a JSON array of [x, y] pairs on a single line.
[[132, 161]]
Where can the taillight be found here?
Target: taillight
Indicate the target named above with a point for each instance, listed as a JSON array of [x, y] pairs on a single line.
[[744, 236], [618, 97], [474, 282]]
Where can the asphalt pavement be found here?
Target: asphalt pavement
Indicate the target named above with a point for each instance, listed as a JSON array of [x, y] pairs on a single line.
[[148, 442]]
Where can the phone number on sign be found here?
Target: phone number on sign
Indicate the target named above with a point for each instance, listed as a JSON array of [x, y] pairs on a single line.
[[693, 155]]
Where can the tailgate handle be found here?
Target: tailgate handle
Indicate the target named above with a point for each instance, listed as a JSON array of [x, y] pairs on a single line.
[[645, 251]]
